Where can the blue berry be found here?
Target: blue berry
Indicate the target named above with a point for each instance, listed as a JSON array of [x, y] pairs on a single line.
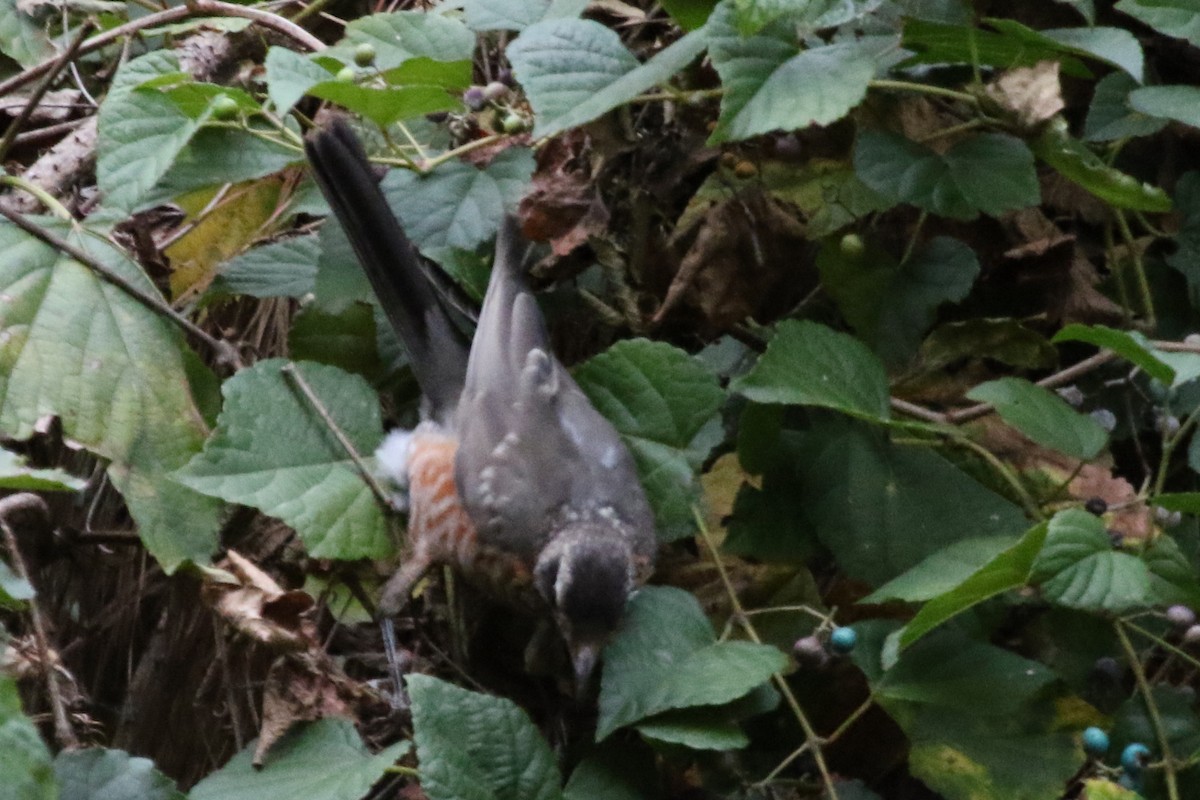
[[1134, 757], [842, 640], [1095, 742]]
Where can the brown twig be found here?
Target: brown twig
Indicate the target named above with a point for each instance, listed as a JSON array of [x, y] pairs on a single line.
[[64, 734], [213, 8], [39, 91], [224, 352]]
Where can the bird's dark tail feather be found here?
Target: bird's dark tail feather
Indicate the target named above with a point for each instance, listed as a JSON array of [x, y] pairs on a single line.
[[437, 349]]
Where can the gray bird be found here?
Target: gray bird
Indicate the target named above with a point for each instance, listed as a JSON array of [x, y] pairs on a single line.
[[513, 477]]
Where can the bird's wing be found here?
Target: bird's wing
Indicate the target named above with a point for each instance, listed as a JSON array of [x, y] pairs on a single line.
[[533, 451], [436, 348]]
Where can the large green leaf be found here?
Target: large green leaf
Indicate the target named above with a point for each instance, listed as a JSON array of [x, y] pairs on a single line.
[[1078, 567], [1043, 416], [1006, 571], [943, 571], [1133, 347], [563, 64], [504, 15], [290, 75], [140, 131], [1111, 116], [666, 406], [271, 450], [1173, 579], [1012, 45], [615, 771], [25, 761], [21, 38], [1115, 46], [1179, 18], [809, 364], [1180, 103], [284, 268], [113, 371], [535, 61], [751, 16], [666, 657], [773, 85], [990, 173], [398, 36], [473, 745], [215, 156], [99, 774], [322, 760], [892, 305], [458, 205], [882, 509]]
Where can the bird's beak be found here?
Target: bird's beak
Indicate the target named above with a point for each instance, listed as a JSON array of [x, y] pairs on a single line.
[[584, 656]]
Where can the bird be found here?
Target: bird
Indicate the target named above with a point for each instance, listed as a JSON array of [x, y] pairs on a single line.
[[513, 478]]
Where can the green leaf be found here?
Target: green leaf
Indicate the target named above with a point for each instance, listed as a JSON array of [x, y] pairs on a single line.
[[113, 371], [472, 745], [769, 523], [1186, 502], [1115, 46], [615, 771], [504, 15], [216, 156], [289, 77], [1078, 567], [21, 38], [701, 728], [690, 14], [666, 406], [1077, 163], [563, 64], [16, 476], [1014, 45], [14, 590], [401, 35], [322, 760], [285, 268], [1168, 102], [25, 762], [657, 70], [346, 340], [1111, 117], [1006, 571], [272, 451], [1178, 18], [991, 173], [881, 509], [1133, 347], [941, 572], [809, 364], [140, 132], [386, 104], [808, 15], [458, 205], [1043, 416], [772, 85], [892, 305], [950, 671], [1173, 579], [100, 774], [665, 657]]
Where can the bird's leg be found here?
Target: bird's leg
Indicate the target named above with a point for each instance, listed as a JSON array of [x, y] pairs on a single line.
[[394, 598]]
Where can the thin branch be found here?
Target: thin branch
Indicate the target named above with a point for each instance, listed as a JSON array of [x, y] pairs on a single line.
[[10, 134], [207, 8], [811, 740], [225, 353], [292, 374], [1160, 731], [63, 732]]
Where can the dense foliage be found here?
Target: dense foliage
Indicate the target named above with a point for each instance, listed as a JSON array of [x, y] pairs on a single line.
[[892, 300]]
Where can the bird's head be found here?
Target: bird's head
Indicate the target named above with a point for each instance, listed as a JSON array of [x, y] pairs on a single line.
[[587, 575]]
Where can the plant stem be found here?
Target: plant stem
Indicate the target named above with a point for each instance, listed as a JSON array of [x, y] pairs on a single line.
[[1160, 731], [921, 88], [811, 740]]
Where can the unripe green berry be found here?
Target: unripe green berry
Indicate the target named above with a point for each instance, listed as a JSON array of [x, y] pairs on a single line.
[[346, 75], [852, 245], [514, 123], [224, 107], [364, 54]]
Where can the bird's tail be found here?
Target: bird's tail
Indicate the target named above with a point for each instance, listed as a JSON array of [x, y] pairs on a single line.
[[436, 348]]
